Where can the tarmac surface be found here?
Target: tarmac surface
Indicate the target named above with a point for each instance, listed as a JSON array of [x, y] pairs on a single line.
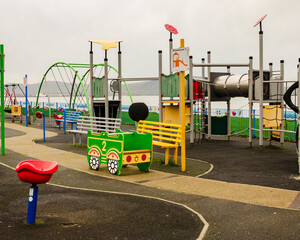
[[244, 193]]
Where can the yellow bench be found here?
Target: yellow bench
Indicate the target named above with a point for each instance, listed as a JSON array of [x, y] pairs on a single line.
[[165, 135]]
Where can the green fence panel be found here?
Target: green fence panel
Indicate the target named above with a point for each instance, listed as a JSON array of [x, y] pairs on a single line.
[[98, 87], [170, 85]]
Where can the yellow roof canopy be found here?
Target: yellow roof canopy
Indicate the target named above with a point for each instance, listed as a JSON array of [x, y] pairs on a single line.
[[106, 44]]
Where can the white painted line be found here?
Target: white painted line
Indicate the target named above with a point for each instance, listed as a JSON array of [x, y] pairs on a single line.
[[207, 172], [203, 231], [5, 165]]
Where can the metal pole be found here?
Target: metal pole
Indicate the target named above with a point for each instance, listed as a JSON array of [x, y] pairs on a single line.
[[182, 112], [44, 123], [298, 116], [65, 124], [170, 52], [91, 80], [32, 202], [26, 99], [261, 100], [120, 82], [208, 97], [49, 104], [71, 95], [159, 84], [228, 119], [271, 75], [191, 90], [228, 111], [204, 87], [253, 125], [106, 85], [250, 98], [281, 90], [221, 65], [228, 69], [2, 99]]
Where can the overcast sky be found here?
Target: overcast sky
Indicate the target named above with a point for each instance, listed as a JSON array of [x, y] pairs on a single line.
[[38, 33]]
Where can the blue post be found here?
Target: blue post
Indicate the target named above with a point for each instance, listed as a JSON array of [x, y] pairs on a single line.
[[57, 108], [253, 132], [26, 99], [44, 137], [65, 121], [32, 202]]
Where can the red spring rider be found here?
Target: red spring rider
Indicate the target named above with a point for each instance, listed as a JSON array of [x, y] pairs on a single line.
[[35, 172]]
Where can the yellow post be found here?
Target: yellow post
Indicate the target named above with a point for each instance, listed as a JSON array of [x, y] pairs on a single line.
[[182, 113]]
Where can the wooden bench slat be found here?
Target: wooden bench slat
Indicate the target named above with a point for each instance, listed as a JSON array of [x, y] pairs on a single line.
[[77, 131], [98, 120], [103, 129]]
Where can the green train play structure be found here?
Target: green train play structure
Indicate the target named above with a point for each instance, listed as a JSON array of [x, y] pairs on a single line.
[[119, 149], [122, 148]]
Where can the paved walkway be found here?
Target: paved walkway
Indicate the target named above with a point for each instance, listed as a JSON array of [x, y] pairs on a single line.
[[257, 195]]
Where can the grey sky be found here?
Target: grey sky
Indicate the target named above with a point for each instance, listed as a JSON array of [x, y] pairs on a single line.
[[38, 33]]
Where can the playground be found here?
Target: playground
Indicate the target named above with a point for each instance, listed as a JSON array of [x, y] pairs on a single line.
[[184, 171], [245, 195]]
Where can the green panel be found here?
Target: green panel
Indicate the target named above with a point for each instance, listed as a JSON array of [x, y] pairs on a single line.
[[153, 116], [218, 125], [105, 143], [170, 85], [137, 141], [98, 87]]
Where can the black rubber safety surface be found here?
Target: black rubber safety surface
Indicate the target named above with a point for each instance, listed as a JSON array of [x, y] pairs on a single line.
[[77, 214]]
